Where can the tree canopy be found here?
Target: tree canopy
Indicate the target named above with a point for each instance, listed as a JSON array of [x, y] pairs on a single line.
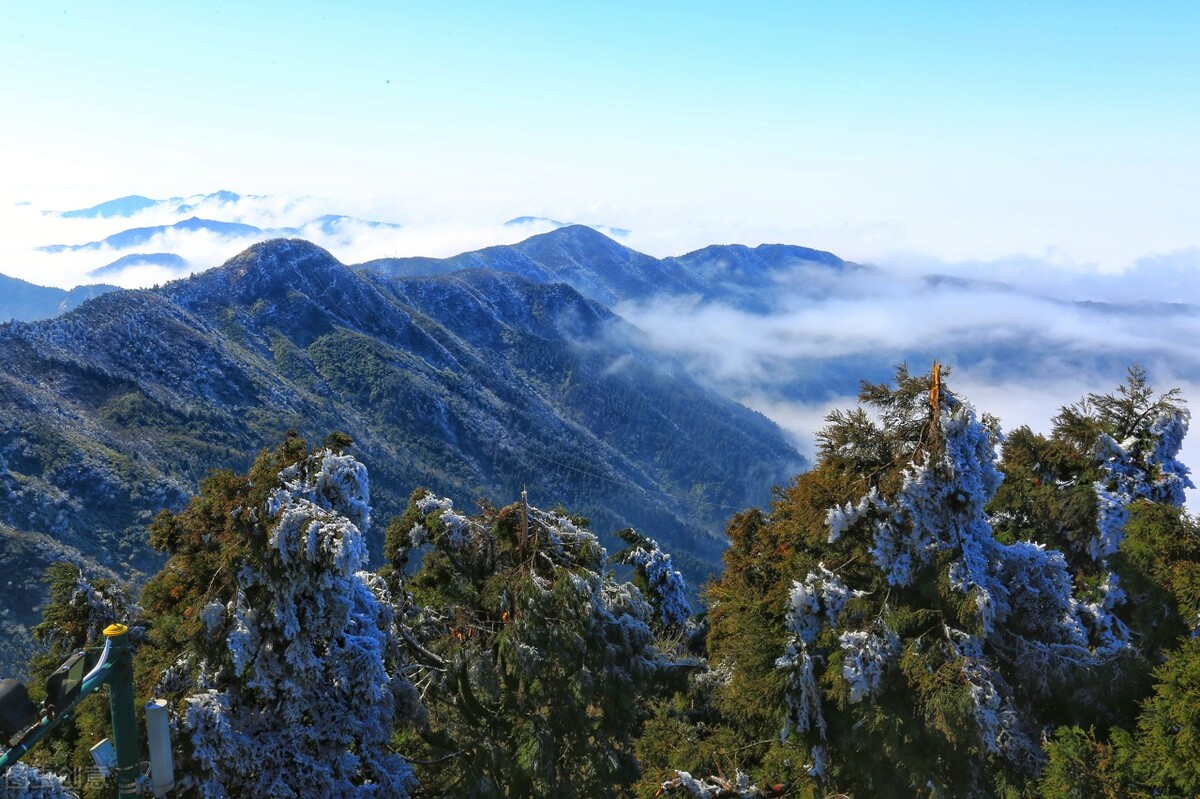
[[936, 609]]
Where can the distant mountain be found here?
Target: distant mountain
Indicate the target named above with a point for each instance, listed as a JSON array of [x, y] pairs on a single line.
[[134, 203], [593, 264], [328, 224], [608, 272], [475, 385], [27, 302], [164, 259], [776, 288], [542, 220], [337, 224], [122, 206], [139, 236], [220, 197]]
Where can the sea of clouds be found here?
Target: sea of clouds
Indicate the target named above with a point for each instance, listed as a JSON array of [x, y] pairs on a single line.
[[1025, 334]]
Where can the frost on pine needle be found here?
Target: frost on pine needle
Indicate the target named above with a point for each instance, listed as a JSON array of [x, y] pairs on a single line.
[[213, 614], [816, 601], [1138, 468], [841, 519], [803, 696], [23, 781], [866, 655], [418, 536], [684, 784], [1168, 432], [818, 756], [665, 583], [458, 528]]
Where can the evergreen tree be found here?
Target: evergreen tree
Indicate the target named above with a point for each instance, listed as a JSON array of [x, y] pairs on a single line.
[[1073, 490], [1151, 751], [909, 649], [534, 661], [276, 647]]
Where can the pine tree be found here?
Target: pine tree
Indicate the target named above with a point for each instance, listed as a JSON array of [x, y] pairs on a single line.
[[912, 648], [534, 660], [274, 644]]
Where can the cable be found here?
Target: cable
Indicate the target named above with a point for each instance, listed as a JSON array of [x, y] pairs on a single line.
[[627, 484]]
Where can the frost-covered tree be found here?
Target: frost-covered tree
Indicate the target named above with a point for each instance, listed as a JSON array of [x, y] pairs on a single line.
[[913, 649], [1106, 488], [657, 578], [23, 781], [534, 660], [80, 608], [275, 644], [1074, 489], [1152, 749]]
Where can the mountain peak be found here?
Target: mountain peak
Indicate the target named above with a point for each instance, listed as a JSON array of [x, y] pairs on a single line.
[[273, 252], [579, 243], [581, 233], [266, 269], [121, 206]]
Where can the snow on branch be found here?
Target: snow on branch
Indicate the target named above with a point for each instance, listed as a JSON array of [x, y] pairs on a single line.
[[313, 691]]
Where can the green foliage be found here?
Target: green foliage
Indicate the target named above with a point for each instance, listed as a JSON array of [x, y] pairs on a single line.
[[1159, 566], [1047, 494], [918, 729], [1123, 414], [1080, 766], [545, 675], [263, 608], [1166, 745], [208, 541], [536, 663], [1159, 757]]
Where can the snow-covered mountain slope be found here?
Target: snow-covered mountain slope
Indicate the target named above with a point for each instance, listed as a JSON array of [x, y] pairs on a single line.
[[27, 302], [609, 272], [474, 384]]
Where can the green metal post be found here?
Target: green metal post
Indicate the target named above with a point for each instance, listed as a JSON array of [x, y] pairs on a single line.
[[120, 700]]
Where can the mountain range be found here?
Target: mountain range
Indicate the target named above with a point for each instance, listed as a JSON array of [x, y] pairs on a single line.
[[475, 384], [330, 224], [588, 372], [136, 203], [608, 272]]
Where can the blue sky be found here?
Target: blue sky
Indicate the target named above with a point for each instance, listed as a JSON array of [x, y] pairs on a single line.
[[1038, 143], [1065, 131]]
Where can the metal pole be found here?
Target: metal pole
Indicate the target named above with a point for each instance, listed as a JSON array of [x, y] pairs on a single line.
[[120, 700]]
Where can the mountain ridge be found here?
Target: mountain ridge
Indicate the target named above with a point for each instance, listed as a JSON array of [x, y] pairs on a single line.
[[27, 302], [474, 384], [609, 272]]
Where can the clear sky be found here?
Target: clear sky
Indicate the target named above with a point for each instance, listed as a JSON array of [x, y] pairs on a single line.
[[1068, 131]]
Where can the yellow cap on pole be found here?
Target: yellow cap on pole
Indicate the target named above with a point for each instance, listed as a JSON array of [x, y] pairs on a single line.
[[114, 630]]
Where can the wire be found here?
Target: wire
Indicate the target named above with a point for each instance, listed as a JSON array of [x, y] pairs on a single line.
[[628, 484]]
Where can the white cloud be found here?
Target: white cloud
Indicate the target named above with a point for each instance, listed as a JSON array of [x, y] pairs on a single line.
[[1013, 327]]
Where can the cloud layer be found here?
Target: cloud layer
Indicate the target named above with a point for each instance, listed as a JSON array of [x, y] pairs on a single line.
[[1019, 350], [1025, 334]]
